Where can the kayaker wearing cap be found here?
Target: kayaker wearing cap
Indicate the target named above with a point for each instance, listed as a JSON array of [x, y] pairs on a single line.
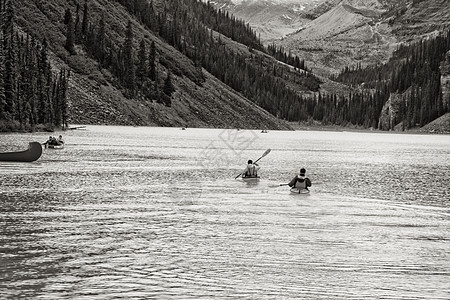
[[300, 181], [251, 170]]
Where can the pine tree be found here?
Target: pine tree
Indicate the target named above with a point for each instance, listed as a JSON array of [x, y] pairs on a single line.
[[43, 86], [67, 16], [10, 48], [63, 98], [85, 23], [2, 72], [23, 86], [59, 99], [152, 62], [101, 41], [69, 33], [168, 89], [77, 25], [141, 72], [32, 77], [128, 61]]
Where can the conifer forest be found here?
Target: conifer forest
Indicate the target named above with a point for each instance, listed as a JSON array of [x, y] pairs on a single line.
[[33, 93]]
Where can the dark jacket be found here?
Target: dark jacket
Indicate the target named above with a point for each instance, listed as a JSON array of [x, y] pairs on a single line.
[[303, 182]]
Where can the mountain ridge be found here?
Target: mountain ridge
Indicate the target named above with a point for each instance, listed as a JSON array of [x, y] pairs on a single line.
[[95, 98], [192, 66], [381, 24]]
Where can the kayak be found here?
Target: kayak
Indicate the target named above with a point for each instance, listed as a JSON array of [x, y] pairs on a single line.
[[251, 179], [60, 146], [295, 190], [33, 152]]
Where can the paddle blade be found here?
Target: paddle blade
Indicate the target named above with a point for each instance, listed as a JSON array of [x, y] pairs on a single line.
[[265, 153]]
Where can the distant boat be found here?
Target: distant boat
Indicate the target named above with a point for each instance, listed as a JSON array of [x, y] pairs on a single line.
[[59, 146], [78, 127], [264, 131], [33, 153]]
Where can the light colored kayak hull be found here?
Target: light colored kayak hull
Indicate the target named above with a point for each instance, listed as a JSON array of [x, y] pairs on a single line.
[[250, 179], [55, 146], [299, 191]]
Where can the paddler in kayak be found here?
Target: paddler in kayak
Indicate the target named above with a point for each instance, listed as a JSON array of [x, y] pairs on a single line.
[[300, 181], [251, 171], [60, 140]]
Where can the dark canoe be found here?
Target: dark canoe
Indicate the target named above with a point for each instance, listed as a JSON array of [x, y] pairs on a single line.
[[33, 152]]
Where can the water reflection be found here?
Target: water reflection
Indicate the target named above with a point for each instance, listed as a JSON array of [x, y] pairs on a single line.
[[112, 216], [26, 259]]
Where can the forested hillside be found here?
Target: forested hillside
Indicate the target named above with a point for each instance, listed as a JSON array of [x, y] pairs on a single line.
[[172, 63], [192, 30], [184, 63], [414, 74], [396, 55], [30, 94]]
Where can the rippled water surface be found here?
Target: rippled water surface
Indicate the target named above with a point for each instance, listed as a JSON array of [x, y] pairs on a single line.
[[141, 213]]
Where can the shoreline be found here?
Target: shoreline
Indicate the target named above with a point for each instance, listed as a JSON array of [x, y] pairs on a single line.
[[295, 126], [338, 128]]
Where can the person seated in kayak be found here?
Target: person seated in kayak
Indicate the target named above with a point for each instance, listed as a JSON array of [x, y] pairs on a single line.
[[251, 170], [51, 141], [60, 140], [47, 142], [300, 181]]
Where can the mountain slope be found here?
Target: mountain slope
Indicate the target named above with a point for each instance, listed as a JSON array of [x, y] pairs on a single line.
[[270, 19], [360, 33], [332, 34], [342, 36], [351, 32], [199, 100], [414, 19]]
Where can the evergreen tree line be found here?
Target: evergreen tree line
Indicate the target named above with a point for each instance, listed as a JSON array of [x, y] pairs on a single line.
[[262, 84], [175, 14], [280, 54], [413, 70], [185, 24], [362, 109], [29, 93], [136, 70]]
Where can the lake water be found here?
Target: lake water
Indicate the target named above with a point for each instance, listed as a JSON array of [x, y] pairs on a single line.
[[155, 213]]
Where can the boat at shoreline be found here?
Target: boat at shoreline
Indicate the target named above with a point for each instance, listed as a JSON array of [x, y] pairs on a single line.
[[33, 153]]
